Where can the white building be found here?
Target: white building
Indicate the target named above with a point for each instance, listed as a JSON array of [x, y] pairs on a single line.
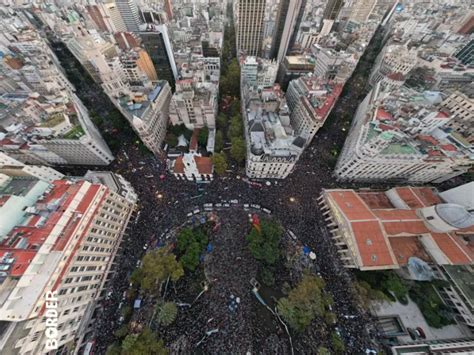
[[258, 72], [58, 243], [148, 113], [272, 146], [392, 66], [386, 142], [13, 167], [310, 101], [194, 107]]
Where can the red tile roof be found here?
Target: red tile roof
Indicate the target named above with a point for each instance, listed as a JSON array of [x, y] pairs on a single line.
[[193, 145], [406, 247], [396, 215], [451, 248], [351, 205], [179, 166], [383, 115], [448, 147], [372, 246], [428, 139], [409, 197], [378, 228], [204, 165]]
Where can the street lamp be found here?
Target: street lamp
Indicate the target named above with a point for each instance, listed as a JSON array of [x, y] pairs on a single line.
[[292, 199], [160, 196]]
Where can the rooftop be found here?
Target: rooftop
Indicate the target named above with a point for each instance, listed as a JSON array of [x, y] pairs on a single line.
[[387, 230]]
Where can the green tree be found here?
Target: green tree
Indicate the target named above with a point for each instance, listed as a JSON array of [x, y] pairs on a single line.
[[114, 349], [238, 149], [236, 127], [166, 313], [190, 243], [171, 140], [230, 81], [323, 351], [203, 135], [395, 284], [337, 343], [264, 243], [122, 331], [330, 318], [235, 107], [220, 163], [219, 143], [303, 303], [144, 343], [157, 266], [221, 121]]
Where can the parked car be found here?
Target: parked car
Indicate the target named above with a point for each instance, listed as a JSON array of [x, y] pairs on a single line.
[[421, 332]]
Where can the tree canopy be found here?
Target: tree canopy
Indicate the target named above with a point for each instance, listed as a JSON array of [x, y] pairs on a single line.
[[143, 343], [304, 303], [190, 244], [157, 266], [219, 142], [220, 163], [166, 313], [264, 244], [238, 150]]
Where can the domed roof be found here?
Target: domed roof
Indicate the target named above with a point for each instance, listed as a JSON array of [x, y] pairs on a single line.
[[455, 215]]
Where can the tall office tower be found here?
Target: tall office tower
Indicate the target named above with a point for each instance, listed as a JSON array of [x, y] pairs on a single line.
[[168, 9], [361, 10], [297, 26], [332, 9], [288, 12], [461, 107], [130, 14], [400, 136], [249, 16], [97, 13], [58, 246], [158, 45], [466, 53], [115, 16]]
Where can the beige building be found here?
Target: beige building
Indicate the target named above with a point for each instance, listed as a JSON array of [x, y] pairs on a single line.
[[461, 107], [248, 18]]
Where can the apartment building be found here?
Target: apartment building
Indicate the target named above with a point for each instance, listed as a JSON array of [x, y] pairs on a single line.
[[461, 108], [58, 240], [258, 72], [399, 136], [310, 101], [392, 66]]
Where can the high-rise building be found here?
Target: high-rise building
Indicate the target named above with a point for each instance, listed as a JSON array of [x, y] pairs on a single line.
[[13, 167], [115, 16], [258, 72], [58, 242], [168, 9], [158, 45], [466, 53], [392, 66], [286, 23], [148, 112], [249, 16], [130, 14], [310, 101], [292, 67], [400, 136], [331, 11], [380, 230], [297, 25]]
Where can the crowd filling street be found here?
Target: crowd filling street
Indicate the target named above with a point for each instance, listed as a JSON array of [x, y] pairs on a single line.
[[164, 203]]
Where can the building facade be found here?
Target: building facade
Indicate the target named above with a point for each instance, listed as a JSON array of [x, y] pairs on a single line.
[[248, 20], [59, 241]]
